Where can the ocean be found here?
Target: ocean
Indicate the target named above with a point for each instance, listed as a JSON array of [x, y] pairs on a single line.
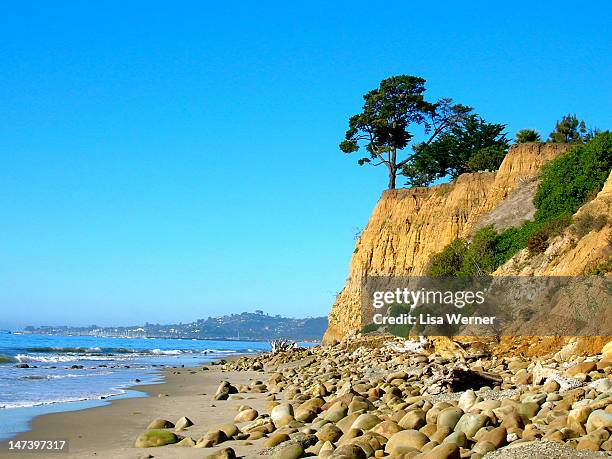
[[42, 374]]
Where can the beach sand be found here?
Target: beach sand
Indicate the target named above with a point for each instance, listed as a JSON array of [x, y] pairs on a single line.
[[110, 431]]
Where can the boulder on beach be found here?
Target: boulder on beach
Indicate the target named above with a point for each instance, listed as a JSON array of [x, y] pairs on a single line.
[[155, 437], [606, 351], [449, 417], [230, 430], [291, 451], [160, 424], [282, 414], [445, 451], [187, 441], [406, 441], [349, 452], [225, 453], [224, 390], [212, 438], [470, 423], [246, 415], [183, 423], [599, 419], [329, 432], [276, 440]]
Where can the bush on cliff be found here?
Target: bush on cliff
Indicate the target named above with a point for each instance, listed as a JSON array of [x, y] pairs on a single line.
[[527, 135], [567, 183], [462, 259], [569, 180], [449, 261]]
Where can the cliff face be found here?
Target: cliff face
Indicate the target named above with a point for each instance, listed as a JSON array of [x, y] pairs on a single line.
[[409, 225]]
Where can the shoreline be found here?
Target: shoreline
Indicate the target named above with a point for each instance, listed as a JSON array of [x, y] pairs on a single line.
[[361, 398], [110, 430]]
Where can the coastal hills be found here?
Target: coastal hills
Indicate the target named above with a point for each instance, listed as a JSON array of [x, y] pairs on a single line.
[[253, 326]]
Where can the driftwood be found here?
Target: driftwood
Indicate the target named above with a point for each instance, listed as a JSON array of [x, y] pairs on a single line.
[[439, 378], [282, 345], [410, 346]]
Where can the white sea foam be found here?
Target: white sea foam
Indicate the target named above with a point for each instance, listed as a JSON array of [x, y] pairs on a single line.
[[166, 352], [65, 358], [32, 403], [63, 376]]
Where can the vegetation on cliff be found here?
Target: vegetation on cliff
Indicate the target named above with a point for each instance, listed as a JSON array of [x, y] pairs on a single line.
[[569, 130], [567, 182], [455, 141], [527, 135], [471, 145]]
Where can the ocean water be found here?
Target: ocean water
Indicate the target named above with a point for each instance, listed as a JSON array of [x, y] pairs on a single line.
[[77, 372]]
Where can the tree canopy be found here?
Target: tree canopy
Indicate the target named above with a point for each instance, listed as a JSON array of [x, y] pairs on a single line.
[[391, 112], [527, 135], [470, 145], [569, 130]]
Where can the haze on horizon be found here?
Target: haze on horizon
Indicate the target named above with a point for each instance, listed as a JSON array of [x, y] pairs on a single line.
[[169, 163]]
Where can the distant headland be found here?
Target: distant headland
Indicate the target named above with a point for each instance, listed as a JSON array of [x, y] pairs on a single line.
[[254, 326]]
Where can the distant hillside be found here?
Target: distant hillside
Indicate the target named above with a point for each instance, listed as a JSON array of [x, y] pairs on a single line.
[[246, 326]]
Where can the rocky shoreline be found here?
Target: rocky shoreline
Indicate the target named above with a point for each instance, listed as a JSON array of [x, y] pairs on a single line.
[[383, 397]]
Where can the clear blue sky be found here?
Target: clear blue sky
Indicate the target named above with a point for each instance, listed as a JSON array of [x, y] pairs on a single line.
[[167, 161]]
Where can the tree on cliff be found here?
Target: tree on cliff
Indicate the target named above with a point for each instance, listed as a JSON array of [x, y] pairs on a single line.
[[388, 112], [570, 130], [470, 145], [527, 135]]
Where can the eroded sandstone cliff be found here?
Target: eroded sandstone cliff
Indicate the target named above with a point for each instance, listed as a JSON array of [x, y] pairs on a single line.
[[409, 225]]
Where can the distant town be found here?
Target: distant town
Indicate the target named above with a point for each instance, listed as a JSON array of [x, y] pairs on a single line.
[[256, 326]]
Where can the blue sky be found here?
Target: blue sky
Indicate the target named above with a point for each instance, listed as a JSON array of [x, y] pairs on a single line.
[[167, 161]]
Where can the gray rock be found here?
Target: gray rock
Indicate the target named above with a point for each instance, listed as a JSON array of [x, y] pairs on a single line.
[[470, 423]]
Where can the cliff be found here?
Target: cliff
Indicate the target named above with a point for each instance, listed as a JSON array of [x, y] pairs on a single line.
[[409, 225]]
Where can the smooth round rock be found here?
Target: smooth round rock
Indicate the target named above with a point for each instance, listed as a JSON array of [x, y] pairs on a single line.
[[449, 417], [155, 437], [160, 424], [405, 441]]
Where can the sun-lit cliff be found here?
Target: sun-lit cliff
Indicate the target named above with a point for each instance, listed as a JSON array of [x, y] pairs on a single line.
[[408, 226]]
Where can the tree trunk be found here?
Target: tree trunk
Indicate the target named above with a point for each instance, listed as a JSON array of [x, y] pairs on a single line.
[[392, 175]]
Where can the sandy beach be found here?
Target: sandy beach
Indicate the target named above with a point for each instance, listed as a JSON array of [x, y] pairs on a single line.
[[110, 431], [365, 397]]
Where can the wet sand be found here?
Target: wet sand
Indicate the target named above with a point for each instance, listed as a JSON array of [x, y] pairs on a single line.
[[110, 431]]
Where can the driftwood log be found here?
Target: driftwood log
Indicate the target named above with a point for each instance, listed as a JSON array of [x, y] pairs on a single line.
[[282, 345], [455, 377]]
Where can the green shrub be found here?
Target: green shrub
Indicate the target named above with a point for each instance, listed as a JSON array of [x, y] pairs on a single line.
[[449, 261], [462, 259], [513, 240], [488, 158], [479, 257], [527, 135], [567, 181]]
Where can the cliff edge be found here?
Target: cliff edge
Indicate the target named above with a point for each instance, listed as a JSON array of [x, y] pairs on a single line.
[[408, 226]]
